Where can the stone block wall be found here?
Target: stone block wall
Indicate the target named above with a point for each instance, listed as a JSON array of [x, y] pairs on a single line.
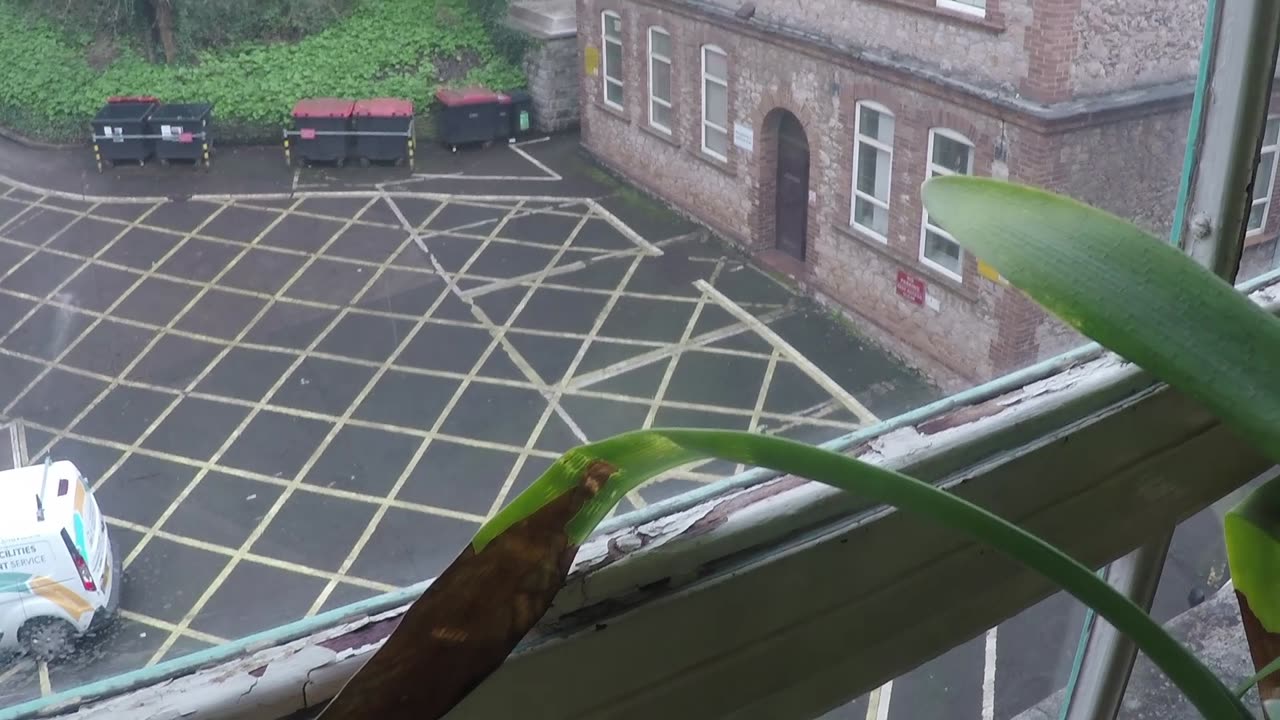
[[553, 67], [552, 63]]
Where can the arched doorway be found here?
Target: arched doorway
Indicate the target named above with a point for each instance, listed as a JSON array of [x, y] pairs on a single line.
[[791, 208]]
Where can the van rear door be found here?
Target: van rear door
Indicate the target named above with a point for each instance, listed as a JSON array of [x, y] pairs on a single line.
[[85, 535]]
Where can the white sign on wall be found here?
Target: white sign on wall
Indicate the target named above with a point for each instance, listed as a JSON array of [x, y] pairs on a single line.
[[744, 137]]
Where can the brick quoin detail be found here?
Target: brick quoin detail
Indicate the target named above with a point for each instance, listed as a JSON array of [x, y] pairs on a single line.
[[1051, 43]]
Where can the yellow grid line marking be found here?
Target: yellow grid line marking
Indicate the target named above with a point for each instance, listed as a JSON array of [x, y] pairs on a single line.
[[46, 688], [159, 624], [13, 670], [226, 348], [538, 384], [293, 484], [36, 249], [654, 344], [557, 392], [450, 288], [271, 562], [375, 425], [27, 207], [486, 205], [8, 409], [318, 489], [492, 283], [550, 394], [672, 361], [766, 383], [804, 363], [581, 382], [117, 381]]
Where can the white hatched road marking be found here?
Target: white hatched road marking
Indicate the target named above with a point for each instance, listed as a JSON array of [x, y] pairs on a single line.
[[552, 388], [804, 363], [989, 675]]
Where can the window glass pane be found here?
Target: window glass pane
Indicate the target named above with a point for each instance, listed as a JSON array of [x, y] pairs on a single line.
[[661, 43], [613, 60], [717, 141], [612, 26], [873, 171], [871, 216], [717, 65], [1262, 179], [875, 124], [1260, 249], [942, 251], [661, 115], [717, 104], [662, 80], [1256, 213], [613, 91], [950, 153]]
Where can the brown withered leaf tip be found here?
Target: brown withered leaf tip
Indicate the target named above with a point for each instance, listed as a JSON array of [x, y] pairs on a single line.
[[472, 616]]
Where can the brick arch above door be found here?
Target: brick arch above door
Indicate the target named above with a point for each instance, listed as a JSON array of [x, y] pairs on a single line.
[[765, 124]]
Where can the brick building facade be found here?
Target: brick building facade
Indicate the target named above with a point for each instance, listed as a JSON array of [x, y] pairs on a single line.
[[755, 126]]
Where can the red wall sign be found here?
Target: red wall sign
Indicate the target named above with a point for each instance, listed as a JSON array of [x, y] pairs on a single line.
[[911, 287]]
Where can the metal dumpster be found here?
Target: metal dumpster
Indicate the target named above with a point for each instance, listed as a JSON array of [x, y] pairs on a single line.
[[466, 116], [182, 131], [321, 130], [383, 130], [120, 131]]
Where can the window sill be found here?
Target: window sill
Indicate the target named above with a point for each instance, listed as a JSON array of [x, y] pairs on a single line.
[[1258, 238], [724, 166], [620, 113], [911, 263], [955, 17], [666, 137]]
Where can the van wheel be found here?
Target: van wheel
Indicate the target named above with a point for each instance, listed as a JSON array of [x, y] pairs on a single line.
[[46, 638]]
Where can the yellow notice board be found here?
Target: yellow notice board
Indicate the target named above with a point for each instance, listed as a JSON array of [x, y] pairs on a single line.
[[591, 60], [990, 273]]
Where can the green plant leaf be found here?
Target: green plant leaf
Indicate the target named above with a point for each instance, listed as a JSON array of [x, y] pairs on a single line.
[[1134, 294], [1147, 301], [1264, 673], [1252, 532], [445, 613]]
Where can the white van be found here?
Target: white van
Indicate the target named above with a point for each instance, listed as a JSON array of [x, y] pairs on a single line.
[[59, 574]]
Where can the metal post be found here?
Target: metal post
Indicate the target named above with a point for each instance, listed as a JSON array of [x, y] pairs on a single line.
[[1109, 655], [1239, 93], [1243, 36]]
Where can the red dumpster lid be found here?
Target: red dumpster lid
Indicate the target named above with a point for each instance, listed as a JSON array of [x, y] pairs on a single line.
[[465, 96], [383, 107], [115, 99], [504, 99], [323, 107]]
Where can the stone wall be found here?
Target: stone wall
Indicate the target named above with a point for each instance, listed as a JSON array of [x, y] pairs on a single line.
[[553, 67], [984, 51], [1129, 167], [552, 63], [1132, 43]]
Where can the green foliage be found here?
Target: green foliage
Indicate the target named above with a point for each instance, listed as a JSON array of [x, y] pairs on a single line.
[[384, 48], [205, 24]]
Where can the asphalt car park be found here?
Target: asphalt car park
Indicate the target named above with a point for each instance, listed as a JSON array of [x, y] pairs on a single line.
[[290, 401]]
